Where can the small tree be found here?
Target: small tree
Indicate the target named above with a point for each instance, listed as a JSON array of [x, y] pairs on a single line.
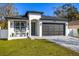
[[7, 10]]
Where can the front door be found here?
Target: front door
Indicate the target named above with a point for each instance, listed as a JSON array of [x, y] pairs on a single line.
[[33, 28]]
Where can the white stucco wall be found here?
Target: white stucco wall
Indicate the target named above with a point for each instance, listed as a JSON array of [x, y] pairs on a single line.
[[67, 29], [33, 17], [40, 28]]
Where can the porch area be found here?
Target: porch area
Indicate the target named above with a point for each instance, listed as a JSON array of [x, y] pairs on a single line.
[[35, 28]]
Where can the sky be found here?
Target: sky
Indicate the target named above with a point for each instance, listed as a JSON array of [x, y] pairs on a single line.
[[47, 8]]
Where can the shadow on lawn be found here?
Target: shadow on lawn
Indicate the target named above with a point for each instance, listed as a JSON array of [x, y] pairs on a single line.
[[4, 39]]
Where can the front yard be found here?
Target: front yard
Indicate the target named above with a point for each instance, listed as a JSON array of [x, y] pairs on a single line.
[[33, 48]]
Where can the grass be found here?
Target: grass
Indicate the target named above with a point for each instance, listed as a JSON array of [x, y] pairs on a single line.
[[33, 48]]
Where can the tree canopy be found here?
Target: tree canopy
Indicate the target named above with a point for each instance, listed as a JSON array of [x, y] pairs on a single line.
[[7, 10], [68, 11]]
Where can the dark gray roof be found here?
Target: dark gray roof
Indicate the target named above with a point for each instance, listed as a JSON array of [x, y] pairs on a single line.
[[34, 12], [17, 17], [54, 18], [42, 18]]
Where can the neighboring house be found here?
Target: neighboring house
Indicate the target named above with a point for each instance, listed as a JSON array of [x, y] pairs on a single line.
[[35, 24], [73, 28]]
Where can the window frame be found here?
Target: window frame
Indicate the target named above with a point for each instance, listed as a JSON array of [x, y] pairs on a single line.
[[20, 26]]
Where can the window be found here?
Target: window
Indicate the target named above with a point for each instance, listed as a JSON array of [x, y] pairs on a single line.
[[23, 26], [20, 28], [16, 26]]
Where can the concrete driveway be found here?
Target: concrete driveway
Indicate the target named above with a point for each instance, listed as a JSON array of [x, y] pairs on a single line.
[[68, 42]]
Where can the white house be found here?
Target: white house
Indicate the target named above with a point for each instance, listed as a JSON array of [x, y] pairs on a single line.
[[35, 24], [74, 28]]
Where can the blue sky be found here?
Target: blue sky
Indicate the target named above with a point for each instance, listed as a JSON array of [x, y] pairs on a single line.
[[47, 8]]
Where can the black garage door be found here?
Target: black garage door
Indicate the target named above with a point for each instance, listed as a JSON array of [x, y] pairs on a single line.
[[53, 29]]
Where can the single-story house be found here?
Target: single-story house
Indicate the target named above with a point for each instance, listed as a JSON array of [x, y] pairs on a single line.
[[74, 28], [34, 23]]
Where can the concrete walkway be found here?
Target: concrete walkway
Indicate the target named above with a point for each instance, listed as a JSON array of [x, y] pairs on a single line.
[[68, 42]]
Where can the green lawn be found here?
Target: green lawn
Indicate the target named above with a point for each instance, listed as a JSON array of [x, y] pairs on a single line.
[[33, 48]]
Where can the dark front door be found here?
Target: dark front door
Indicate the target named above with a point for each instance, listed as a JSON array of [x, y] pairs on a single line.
[[49, 29], [33, 28]]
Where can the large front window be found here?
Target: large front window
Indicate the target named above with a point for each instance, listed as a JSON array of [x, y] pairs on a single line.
[[20, 28]]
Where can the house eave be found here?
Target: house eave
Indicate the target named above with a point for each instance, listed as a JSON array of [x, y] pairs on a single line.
[[14, 18]]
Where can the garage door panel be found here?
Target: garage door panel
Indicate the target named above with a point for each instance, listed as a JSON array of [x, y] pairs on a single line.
[[53, 29]]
